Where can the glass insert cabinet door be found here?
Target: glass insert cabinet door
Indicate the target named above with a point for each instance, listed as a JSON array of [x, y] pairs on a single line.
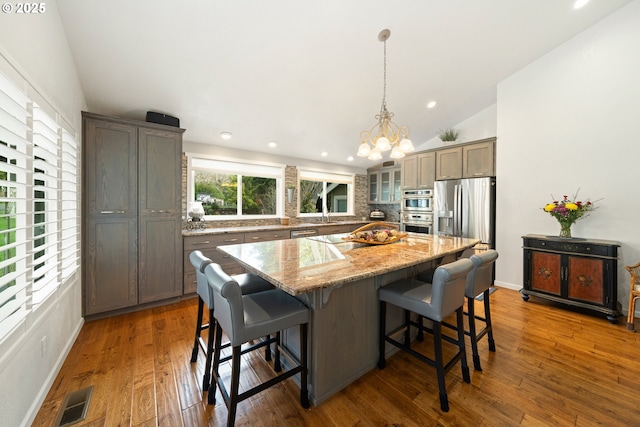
[[385, 186], [373, 187]]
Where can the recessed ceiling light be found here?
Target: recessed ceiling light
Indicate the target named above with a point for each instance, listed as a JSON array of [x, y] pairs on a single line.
[[350, 159], [431, 104], [579, 3], [324, 154], [273, 144], [225, 135]]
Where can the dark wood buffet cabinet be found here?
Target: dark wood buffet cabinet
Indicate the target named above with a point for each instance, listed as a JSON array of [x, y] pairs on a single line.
[[574, 271]]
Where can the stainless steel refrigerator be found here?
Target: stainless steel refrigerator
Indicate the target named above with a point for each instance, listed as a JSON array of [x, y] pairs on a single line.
[[465, 208]]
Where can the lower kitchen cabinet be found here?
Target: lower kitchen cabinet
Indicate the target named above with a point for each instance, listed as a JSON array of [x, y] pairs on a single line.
[[576, 272], [111, 242], [160, 275], [207, 244]]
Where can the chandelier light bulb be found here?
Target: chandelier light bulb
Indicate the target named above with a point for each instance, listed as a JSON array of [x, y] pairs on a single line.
[[375, 155], [382, 144], [364, 150], [397, 153], [406, 145]]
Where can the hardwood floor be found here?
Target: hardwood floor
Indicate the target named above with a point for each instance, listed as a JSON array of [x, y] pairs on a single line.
[[552, 366]]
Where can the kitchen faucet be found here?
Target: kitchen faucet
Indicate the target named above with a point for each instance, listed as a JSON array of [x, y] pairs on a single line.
[[326, 216]]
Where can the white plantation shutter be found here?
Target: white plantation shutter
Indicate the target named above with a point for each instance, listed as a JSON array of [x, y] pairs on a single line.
[[39, 215], [69, 250], [45, 205], [14, 166]]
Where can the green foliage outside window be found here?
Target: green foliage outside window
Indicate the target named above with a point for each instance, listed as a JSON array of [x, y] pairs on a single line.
[[218, 193]]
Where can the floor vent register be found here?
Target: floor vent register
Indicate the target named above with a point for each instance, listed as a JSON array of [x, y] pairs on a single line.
[[74, 408]]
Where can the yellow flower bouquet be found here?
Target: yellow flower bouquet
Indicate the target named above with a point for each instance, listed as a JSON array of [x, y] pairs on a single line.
[[567, 212]]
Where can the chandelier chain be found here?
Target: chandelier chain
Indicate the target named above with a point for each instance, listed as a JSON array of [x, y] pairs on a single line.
[[384, 79]]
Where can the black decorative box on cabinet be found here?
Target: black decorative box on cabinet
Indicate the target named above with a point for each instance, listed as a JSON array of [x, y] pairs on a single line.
[[577, 272]]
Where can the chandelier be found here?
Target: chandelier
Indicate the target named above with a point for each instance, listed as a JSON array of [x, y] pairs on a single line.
[[384, 135]]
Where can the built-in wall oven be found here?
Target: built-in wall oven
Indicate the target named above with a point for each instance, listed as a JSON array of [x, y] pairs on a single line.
[[417, 211], [417, 200]]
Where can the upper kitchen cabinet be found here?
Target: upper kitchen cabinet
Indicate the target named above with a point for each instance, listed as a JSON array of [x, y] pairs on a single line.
[[132, 242], [160, 154], [478, 159], [418, 170], [111, 168], [384, 185], [449, 163], [472, 160]]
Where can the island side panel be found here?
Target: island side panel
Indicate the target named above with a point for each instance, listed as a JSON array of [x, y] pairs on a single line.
[[344, 334]]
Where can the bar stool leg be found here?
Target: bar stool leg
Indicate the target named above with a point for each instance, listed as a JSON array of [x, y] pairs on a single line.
[[487, 316], [420, 336], [276, 354], [463, 353], [211, 398], [437, 343], [235, 385], [382, 334], [407, 331], [267, 349], [194, 352], [207, 366], [473, 334]]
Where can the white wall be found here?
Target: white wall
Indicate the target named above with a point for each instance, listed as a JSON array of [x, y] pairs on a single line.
[[570, 120], [234, 153], [34, 48], [479, 126]]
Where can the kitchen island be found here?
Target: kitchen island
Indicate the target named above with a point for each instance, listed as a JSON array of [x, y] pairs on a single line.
[[338, 280]]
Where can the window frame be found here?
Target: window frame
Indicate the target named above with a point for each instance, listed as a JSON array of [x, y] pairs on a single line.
[[240, 168], [326, 177]]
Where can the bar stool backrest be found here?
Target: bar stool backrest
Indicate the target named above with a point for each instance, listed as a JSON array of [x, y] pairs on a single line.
[[481, 277], [447, 288], [227, 298], [199, 262]]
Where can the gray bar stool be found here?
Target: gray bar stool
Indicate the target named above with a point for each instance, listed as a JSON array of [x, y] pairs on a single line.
[[244, 318], [435, 301], [249, 283], [479, 281]]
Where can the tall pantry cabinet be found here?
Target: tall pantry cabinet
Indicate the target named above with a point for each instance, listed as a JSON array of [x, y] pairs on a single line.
[[132, 243]]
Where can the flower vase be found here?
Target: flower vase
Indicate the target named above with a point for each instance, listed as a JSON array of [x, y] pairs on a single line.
[[565, 230]]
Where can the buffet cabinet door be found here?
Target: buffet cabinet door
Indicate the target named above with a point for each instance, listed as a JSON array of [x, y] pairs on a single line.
[[546, 272], [585, 279]]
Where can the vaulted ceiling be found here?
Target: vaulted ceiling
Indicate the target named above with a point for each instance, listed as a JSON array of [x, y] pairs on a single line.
[[308, 74]]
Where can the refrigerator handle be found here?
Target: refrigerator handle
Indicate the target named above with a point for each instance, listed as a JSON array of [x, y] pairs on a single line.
[[459, 233], [456, 210]]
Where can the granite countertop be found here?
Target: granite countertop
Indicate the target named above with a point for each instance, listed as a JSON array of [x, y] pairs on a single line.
[[256, 228], [299, 266]]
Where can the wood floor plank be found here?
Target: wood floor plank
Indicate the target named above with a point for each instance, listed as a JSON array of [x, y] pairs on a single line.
[[552, 366]]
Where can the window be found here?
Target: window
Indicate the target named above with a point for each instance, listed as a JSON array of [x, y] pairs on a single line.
[[39, 216], [325, 192], [233, 189]]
